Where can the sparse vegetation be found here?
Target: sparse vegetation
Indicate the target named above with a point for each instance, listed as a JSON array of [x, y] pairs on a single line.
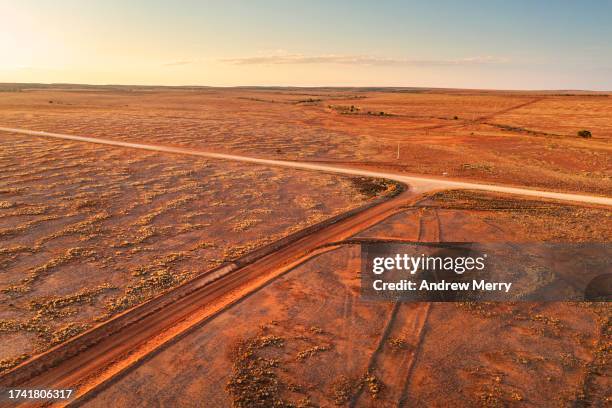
[[245, 224], [53, 306], [116, 229], [254, 382], [585, 134], [309, 101], [304, 354], [371, 188], [398, 344], [8, 363], [342, 390], [538, 219], [345, 109], [68, 332], [480, 167], [373, 383]]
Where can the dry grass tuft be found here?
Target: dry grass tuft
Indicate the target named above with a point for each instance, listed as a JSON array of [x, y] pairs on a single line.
[[254, 382]]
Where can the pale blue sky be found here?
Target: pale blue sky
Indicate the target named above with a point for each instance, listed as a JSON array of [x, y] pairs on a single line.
[[480, 44]]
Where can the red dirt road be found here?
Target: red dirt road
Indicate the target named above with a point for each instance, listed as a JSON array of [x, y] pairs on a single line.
[[87, 366], [155, 323]]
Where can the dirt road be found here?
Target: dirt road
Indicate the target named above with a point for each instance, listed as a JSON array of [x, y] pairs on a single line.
[[113, 348], [418, 183], [117, 350]]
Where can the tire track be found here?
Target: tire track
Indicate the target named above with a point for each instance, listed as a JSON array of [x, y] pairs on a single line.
[[373, 362], [419, 329], [400, 342], [510, 109], [482, 118], [429, 226], [422, 330]]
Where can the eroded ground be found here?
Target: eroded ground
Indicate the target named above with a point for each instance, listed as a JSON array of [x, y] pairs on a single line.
[[88, 231], [308, 339], [516, 138]]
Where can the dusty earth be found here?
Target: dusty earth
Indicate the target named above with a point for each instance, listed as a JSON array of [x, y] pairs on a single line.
[[89, 231], [515, 138], [308, 339]]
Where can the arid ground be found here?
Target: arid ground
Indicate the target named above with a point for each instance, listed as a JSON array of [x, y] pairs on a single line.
[[87, 232], [308, 339], [517, 138], [90, 233]]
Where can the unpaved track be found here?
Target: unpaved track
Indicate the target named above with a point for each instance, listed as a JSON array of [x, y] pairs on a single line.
[[482, 118], [509, 109], [406, 323], [94, 361], [418, 183], [97, 364]]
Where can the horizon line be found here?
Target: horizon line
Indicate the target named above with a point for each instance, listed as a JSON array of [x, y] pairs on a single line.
[[386, 87]]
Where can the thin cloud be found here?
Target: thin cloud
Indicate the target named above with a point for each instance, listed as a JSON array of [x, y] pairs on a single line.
[[285, 59], [179, 62]]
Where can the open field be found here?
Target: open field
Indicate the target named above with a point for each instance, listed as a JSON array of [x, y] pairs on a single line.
[[91, 234], [87, 232], [308, 339], [520, 138]]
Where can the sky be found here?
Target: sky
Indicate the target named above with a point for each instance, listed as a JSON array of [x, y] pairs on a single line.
[[556, 44]]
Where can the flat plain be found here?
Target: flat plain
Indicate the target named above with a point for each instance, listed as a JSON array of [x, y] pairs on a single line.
[[310, 340], [89, 231], [519, 138]]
